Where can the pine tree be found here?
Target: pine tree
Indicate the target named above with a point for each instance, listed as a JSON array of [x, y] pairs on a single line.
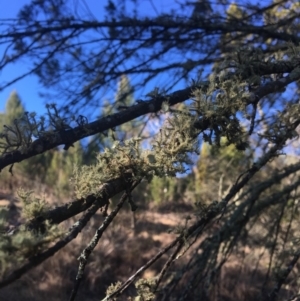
[[14, 108], [61, 168], [217, 167], [124, 98]]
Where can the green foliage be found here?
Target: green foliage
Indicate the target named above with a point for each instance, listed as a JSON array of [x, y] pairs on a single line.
[[61, 168], [124, 93], [162, 189], [123, 99], [13, 109], [168, 189], [12, 121], [216, 169]]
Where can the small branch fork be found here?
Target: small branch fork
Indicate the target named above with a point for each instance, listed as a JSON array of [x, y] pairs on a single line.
[[212, 212], [83, 258], [39, 258], [131, 279]]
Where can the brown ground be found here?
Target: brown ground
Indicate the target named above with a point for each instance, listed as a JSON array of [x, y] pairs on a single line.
[[120, 253]]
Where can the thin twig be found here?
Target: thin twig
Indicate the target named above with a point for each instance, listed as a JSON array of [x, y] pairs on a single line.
[[83, 258], [212, 212], [131, 279], [167, 265], [282, 277]]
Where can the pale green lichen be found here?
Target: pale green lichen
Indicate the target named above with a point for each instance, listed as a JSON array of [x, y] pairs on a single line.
[[145, 289], [23, 243], [22, 131], [112, 289], [32, 206], [168, 155]]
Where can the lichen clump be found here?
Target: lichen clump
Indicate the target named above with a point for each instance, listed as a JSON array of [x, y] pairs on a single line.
[[168, 155]]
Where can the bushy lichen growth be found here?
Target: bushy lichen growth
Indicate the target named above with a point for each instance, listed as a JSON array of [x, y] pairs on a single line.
[[21, 132], [282, 125], [23, 243], [168, 155], [218, 106], [112, 288], [145, 288], [223, 106], [32, 205]]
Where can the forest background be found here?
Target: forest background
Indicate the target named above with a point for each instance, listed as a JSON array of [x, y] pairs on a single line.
[[190, 111]]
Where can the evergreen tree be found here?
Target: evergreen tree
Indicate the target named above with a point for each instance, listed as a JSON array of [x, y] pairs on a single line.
[[14, 108], [61, 168], [33, 168], [124, 98], [217, 167]]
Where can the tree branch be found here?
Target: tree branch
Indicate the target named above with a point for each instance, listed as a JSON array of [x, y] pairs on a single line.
[[66, 211], [165, 22]]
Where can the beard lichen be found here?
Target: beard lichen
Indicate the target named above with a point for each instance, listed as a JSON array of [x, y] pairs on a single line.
[[168, 155]]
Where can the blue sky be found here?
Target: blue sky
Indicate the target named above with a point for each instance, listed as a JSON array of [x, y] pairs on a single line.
[[29, 88]]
